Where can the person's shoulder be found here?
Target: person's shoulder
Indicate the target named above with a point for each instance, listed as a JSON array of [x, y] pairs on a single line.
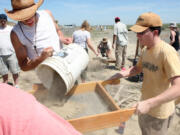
[[123, 24], [166, 48], [40, 11], [44, 12], [9, 27], [76, 32], [87, 31], [109, 42]]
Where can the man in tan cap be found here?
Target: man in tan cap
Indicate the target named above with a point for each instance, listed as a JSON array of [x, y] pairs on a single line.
[[36, 35], [161, 84]]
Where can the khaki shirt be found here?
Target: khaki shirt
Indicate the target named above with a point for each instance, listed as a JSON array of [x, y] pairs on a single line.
[[159, 64]]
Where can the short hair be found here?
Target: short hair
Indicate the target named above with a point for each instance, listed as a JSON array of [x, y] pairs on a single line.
[[117, 19], [156, 28], [3, 17], [85, 25]]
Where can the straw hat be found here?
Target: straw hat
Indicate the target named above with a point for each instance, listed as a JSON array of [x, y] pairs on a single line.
[[23, 9], [104, 40]]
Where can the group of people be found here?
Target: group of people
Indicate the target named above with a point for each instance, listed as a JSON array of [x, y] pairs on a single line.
[[36, 35]]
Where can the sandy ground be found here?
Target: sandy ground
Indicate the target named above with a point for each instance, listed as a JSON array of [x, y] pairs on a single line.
[[125, 94]]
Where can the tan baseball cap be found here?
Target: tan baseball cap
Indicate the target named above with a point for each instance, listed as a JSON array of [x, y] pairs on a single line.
[[145, 21]]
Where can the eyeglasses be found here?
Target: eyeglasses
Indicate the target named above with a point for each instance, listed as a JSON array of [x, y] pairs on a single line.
[[142, 33]]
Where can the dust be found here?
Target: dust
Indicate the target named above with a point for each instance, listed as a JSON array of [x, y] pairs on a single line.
[[55, 99], [96, 64]]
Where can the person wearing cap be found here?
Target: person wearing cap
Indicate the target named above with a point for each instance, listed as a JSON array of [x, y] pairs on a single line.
[[36, 35], [161, 83], [82, 37], [121, 38], [8, 59], [174, 36], [104, 48]]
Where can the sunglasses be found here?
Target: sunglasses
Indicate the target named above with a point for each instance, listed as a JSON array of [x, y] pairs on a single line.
[[142, 33]]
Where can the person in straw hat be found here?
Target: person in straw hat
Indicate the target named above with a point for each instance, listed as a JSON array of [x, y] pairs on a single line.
[[104, 48], [174, 35], [161, 83], [36, 35]]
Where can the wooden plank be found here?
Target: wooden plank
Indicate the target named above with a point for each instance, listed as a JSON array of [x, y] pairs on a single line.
[[82, 87], [101, 121], [109, 100]]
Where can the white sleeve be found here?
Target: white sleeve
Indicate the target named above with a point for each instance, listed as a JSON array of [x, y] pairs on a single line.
[[88, 35], [109, 45], [115, 30]]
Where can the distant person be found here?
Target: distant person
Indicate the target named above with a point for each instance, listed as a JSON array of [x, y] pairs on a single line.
[[8, 59], [104, 48], [174, 36], [36, 35], [22, 114], [82, 37], [120, 37], [160, 65]]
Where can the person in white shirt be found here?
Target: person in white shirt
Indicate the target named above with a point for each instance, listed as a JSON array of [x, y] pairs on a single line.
[[121, 39], [82, 37], [8, 59], [36, 35]]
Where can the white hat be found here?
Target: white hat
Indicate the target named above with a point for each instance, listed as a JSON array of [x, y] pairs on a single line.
[[173, 25]]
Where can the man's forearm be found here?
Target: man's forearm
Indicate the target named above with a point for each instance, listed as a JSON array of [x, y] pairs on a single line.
[[31, 64], [131, 72], [114, 39]]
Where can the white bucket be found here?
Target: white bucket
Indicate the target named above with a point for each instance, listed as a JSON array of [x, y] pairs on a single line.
[[68, 64]]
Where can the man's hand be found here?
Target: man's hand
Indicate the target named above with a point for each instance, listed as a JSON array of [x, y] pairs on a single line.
[[47, 52], [67, 40], [115, 76], [142, 107]]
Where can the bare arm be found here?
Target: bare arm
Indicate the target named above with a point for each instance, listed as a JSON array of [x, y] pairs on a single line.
[[65, 40], [114, 39], [91, 47], [98, 48], [168, 95], [173, 34], [134, 70], [21, 52]]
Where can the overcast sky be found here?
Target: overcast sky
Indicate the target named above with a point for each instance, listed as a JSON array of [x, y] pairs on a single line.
[[103, 11]]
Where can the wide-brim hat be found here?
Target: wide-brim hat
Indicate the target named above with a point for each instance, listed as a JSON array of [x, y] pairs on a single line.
[[23, 9], [104, 40]]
